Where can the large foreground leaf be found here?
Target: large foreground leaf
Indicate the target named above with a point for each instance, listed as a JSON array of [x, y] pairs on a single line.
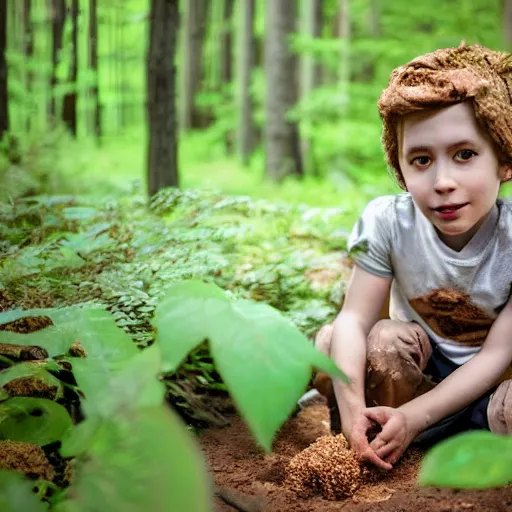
[[112, 386], [16, 494], [264, 359], [33, 420], [145, 460], [471, 460]]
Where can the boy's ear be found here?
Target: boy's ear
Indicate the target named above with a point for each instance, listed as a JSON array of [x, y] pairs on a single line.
[[505, 172]]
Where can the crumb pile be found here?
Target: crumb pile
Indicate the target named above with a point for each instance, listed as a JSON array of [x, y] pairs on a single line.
[[328, 467], [25, 458]]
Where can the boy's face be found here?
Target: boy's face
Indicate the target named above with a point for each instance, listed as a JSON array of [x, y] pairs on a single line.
[[450, 169]]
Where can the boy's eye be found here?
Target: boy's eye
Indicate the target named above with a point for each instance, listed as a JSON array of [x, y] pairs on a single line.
[[421, 161], [465, 154]]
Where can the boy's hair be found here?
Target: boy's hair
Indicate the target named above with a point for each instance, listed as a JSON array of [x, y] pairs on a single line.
[[443, 78]]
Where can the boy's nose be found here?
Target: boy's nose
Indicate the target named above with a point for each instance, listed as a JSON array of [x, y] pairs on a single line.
[[444, 181]]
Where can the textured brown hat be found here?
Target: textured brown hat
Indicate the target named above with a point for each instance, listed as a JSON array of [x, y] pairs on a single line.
[[445, 77]]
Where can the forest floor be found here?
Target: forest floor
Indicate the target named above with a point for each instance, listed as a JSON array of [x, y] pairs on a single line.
[[255, 481]]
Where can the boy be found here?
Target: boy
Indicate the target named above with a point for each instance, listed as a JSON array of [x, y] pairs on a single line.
[[443, 252]]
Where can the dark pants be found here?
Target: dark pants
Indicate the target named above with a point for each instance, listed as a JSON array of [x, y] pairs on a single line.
[[473, 417]]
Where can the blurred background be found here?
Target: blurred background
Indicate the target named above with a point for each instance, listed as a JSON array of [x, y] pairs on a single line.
[[273, 99]]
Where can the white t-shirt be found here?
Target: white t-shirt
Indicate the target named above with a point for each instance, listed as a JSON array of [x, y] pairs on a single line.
[[454, 296]]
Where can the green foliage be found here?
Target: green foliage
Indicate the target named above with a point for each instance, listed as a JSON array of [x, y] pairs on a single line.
[[16, 494], [265, 362], [33, 420], [253, 249], [131, 452], [471, 460], [142, 460]]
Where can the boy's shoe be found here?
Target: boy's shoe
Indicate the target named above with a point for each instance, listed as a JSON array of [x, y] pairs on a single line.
[[310, 397]]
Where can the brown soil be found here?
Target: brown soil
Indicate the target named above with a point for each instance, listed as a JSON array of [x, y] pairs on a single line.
[[244, 473]]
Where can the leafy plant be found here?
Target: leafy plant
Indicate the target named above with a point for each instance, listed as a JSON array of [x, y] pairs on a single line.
[[131, 451], [471, 460]]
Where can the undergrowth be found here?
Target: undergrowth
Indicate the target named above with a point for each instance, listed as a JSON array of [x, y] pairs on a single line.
[[122, 253]]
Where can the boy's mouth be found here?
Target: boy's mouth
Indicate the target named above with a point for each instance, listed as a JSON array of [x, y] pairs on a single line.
[[449, 207]]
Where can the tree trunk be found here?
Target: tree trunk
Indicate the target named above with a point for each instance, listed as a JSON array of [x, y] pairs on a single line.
[[367, 67], [312, 26], [69, 111], [247, 131], [196, 17], [344, 71], [226, 64], [282, 148], [28, 51], [161, 96], [93, 64], [226, 72], [311, 75], [4, 111], [507, 22], [58, 19]]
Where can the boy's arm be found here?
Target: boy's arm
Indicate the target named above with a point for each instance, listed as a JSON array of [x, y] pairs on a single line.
[[365, 296], [469, 381]]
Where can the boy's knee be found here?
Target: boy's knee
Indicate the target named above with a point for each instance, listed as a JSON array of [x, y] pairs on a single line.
[[382, 341], [395, 342], [499, 411], [323, 339]]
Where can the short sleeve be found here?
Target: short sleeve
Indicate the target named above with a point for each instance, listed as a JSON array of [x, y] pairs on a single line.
[[369, 244]]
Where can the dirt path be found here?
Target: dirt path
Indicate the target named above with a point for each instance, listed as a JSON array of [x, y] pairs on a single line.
[[240, 467]]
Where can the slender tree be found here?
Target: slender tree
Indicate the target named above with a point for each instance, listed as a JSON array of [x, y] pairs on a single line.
[[312, 16], [162, 166], [58, 19], [28, 51], [311, 73], [93, 64], [4, 111], [69, 109], [282, 147], [345, 35], [196, 16], [226, 72], [246, 131]]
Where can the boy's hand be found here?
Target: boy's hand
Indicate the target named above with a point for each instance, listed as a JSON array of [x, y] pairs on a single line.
[[357, 437], [396, 434]]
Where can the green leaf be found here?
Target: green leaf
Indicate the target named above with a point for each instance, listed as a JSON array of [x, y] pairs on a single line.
[[33, 420], [78, 439], [141, 461], [471, 460], [262, 357], [111, 386], [94, 328], [54, 340], [82, 213], [28, 369], [16, 494], [181, 319]]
